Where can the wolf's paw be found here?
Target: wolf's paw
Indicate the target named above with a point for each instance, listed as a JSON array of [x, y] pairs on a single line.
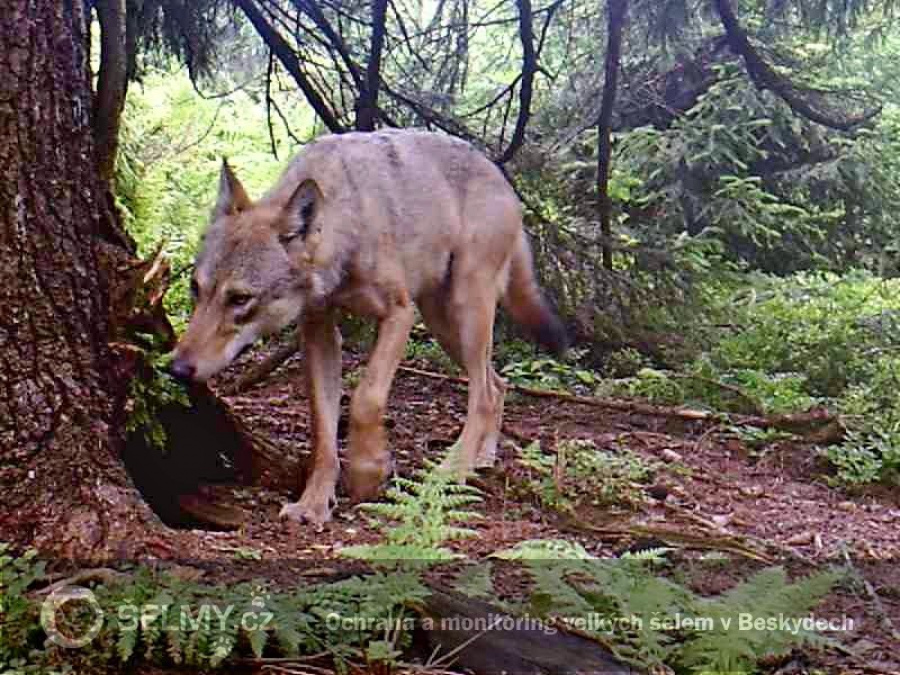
[[366, 478], [314, 512], [455, 463], [487, 453]]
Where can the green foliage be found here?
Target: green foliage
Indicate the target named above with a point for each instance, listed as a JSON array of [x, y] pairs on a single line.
[[654, 385], [759, 439], [766, 596], [19, 627], [623, 602], [787, 345], [823, 327], [823, 339], [149, 395], [867, 457], [156, 618], [427, 349], [548, 373], [172, 147], [424, 513], [625, 362], [779, 193], [579, 473]]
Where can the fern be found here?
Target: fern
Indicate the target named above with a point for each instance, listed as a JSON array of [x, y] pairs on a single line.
[[424, 513], [475, 581], [653, 621], [766, 596]]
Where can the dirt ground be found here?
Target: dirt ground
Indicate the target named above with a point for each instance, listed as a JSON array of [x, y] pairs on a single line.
[[711, 491]]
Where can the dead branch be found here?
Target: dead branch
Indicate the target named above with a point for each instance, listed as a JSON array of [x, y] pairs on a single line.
[[724, 543], [289, 60], [261, 371], [800, 423], [764, 76]]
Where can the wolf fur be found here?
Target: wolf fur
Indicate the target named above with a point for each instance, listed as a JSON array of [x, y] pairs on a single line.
[[372, 224]]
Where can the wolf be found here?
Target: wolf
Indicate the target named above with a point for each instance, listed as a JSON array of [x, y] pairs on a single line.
[[375, 225]]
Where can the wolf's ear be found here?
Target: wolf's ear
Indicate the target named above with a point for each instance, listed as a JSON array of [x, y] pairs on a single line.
[[301, 211], [232, 196]]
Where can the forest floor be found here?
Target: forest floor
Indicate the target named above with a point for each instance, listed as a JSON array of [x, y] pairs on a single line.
[[710, 491]]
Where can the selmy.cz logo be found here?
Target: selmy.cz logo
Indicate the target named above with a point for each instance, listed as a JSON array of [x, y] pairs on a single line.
[[72, 617], [53, 611]]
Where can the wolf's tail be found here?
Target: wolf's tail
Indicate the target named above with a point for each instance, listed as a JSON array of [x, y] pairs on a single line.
[[527, 305]]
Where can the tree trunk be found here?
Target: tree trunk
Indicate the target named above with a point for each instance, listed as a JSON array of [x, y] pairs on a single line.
[[62, 486], [112, 84], [367, 106], [616, 12], [526, 86]]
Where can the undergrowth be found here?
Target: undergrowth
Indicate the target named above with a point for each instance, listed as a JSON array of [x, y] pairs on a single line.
[[367, 621], [578, 473], [788, 345]]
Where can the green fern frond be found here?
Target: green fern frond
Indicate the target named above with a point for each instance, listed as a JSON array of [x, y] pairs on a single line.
[[475, 581], [545, 549], [655, 555], [423, 513]]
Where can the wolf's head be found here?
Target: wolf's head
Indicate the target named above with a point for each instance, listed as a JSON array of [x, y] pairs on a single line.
[[246, 283]]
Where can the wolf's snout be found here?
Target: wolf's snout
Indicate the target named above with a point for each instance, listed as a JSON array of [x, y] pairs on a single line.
[[183, 369]]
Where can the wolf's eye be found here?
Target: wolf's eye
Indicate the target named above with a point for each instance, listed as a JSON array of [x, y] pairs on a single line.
[[239, 299]]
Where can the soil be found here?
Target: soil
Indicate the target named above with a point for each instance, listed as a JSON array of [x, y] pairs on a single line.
[[710, 488]]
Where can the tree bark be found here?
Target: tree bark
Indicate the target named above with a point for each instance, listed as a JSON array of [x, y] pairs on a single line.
[[62, 486], [616, 19]]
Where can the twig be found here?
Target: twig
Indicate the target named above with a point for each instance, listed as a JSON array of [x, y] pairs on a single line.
[[698, 446], [104, 575]]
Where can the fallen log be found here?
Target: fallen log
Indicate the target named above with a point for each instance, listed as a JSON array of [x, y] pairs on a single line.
[[472, 635], [817, 426]]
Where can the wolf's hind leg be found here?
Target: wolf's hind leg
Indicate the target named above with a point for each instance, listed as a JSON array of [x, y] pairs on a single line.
[[370, 461], [434, 308], [487, 452], [474, 307], [322, 359]]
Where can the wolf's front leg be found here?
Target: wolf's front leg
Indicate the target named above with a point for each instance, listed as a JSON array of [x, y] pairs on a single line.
[[322, 347], [370, 462]]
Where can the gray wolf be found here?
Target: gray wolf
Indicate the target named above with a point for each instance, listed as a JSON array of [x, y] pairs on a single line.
[[372, 224]]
